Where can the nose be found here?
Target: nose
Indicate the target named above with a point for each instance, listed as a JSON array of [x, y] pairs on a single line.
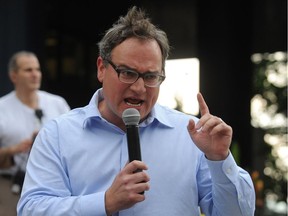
[[36, 74], [139, 85]]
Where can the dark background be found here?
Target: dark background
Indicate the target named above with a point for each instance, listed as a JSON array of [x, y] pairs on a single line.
[[221, 34]]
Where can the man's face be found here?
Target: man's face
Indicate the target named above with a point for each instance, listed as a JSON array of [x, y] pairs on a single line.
[[140, 56], [28, 75]]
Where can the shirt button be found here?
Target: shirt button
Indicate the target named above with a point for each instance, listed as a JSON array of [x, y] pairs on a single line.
[[228, 171]]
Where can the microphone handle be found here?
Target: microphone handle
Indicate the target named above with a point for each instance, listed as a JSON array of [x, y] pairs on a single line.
[[133, 142]]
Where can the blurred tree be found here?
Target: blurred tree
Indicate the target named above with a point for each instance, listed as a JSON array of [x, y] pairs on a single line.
[[269, 115]]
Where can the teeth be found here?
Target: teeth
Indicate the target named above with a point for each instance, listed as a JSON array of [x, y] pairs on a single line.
[[136, 105]]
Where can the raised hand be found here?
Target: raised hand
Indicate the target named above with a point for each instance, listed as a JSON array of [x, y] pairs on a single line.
[[211, 134]]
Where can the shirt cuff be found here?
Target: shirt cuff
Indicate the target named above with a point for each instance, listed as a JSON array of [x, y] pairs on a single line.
[[93, 204], [223, 171]]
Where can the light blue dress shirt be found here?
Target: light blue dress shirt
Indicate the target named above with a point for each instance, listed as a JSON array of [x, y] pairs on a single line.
[[76, 157]]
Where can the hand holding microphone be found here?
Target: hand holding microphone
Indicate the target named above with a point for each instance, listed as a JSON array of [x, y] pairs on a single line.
[[121, 194]]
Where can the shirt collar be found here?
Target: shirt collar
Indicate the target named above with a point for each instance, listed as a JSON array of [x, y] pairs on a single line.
[[91, 110], [158, 113]]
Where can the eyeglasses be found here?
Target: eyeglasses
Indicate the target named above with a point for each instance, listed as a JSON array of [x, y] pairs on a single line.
[[151, 79]]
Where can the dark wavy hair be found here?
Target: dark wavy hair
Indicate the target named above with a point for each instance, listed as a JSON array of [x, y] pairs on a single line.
[[135, 24]]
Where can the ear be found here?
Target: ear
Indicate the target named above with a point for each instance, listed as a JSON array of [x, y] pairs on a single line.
[[101, 68], [13, 76]]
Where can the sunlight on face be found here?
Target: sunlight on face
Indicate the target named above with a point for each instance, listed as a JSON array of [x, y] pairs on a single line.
[[181, 85]]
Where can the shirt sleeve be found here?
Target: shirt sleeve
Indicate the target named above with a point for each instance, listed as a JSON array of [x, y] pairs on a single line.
[[47, 189], [232, 189], [93, 204], [63, 106]]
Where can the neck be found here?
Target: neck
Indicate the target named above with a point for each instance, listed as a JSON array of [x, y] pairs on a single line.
[[109, 116], [30, 99]]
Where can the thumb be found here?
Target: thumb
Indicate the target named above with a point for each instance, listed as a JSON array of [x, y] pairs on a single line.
[[191, 127]]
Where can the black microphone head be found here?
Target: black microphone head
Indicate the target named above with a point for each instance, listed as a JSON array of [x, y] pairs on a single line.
[[131, 116], [39, 113]]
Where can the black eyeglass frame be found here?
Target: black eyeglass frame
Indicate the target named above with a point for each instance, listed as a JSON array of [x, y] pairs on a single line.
[[118, 70]]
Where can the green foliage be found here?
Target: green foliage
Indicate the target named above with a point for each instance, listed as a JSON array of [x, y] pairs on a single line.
[[270, 90]]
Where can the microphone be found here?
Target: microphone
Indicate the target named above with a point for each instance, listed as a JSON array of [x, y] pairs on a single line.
[[39, 114], [131, 118]]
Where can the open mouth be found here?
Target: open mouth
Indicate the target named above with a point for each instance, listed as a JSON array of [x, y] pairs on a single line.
[[133, 102]]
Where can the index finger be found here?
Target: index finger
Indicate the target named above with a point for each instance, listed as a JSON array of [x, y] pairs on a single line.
[[131, 167], [202, 104]]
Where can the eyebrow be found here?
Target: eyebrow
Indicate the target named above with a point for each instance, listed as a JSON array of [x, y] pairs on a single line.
[[132, 69]]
